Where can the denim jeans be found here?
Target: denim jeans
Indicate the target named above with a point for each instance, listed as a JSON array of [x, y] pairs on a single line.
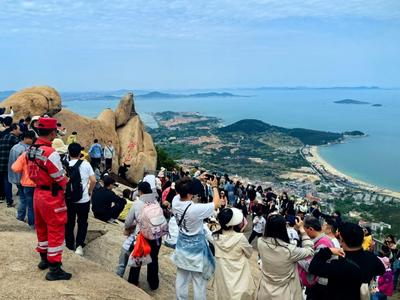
[[396, 274], [25, 202], [378, 296], [7, 189], [29, 191], [122, 262]]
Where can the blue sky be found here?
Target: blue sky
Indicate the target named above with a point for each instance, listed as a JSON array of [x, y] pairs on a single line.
[[149, 44]]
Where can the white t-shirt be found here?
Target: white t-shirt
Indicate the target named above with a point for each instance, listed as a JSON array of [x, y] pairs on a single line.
[[86, 171], [259, 224], [335, 242], [293, 235], [109, 151], [196, 213]]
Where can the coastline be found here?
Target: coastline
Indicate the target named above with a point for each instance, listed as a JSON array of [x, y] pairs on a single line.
[[316, 160]]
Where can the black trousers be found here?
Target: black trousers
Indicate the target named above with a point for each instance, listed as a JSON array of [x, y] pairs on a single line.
[[253, 236], [152, 268], [108, 163], [74, 210], [317, 292], [112, 213], [95, 162]]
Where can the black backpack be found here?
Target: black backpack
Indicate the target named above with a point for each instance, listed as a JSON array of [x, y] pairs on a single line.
[[74, 190]]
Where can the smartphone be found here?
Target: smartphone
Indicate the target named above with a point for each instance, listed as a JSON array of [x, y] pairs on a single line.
[[210, 177]]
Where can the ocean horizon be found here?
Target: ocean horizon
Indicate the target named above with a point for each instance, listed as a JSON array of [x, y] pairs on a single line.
[[374, 159]]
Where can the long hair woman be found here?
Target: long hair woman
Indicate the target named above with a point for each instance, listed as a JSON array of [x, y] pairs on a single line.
[[279, 277]]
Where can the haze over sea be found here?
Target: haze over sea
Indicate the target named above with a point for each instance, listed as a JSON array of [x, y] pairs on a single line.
[[374, 159]]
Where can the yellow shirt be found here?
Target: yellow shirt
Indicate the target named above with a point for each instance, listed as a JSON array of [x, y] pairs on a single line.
[[71, 139], [124, 213], [367, 243]]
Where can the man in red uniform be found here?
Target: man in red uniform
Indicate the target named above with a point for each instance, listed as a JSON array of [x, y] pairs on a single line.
[[46, 170]]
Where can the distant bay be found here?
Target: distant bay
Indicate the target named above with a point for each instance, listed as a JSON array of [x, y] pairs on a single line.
[[374, 159]]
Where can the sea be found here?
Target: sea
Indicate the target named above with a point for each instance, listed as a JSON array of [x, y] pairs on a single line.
[[374, 159]]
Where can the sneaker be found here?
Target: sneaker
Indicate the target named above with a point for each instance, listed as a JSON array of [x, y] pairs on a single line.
[[79, 251]]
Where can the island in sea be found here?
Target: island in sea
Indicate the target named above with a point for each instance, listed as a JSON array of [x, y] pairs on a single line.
[[285, 158], [351, 101]]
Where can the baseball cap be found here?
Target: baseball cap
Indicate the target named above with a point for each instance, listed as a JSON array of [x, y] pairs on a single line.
[[47, 123]]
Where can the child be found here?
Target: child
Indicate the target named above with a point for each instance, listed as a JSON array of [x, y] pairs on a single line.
[[126, 194], [127, 246], [126, 250], [292, 233], [385, 282], [258, 226]]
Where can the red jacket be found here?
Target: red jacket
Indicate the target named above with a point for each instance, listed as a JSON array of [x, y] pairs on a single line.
[[46, 168]]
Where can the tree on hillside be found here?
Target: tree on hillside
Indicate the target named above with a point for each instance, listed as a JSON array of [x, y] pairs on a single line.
[[164, 159]]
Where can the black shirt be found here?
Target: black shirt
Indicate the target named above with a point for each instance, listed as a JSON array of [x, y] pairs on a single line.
[[102, 200], [345, 275]]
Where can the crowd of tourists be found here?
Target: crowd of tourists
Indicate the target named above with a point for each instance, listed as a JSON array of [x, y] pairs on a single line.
[[215, 225]]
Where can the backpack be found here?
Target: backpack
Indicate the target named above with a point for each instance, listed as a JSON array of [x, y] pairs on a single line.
[[308, 279], [74, 190], [96, 150], [385, 283], [153, 224]]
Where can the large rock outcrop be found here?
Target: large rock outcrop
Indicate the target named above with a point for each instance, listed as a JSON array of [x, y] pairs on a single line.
[[34, 101], [134, 146], [125, 110], [137, 149]]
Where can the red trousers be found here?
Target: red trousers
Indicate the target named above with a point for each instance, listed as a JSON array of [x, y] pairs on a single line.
[[50, 219]]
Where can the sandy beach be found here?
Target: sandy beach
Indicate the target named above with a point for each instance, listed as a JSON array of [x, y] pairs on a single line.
[[317, 160]]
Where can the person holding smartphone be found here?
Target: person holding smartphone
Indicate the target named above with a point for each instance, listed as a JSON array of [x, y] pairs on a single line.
[[279, 276]]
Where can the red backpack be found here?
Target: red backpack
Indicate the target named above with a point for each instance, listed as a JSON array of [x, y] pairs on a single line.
[[307, 279]]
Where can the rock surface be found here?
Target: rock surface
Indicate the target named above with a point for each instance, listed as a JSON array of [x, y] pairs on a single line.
[[136, 149], [123, 127], [34, 101], [21, 279], [124, 110]]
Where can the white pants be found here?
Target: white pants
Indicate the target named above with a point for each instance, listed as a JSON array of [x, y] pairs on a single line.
[[183, 279]]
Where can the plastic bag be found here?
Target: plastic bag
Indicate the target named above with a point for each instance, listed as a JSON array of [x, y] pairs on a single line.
[[140, 255]]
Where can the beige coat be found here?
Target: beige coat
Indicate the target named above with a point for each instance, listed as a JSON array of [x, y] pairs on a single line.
[[233, 280], [279, 277]]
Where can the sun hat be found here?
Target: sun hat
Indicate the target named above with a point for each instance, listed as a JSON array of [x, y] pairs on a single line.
[[59, 146], [237, 217]]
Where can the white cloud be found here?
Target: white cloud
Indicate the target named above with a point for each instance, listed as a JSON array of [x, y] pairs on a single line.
[[178, 19]]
